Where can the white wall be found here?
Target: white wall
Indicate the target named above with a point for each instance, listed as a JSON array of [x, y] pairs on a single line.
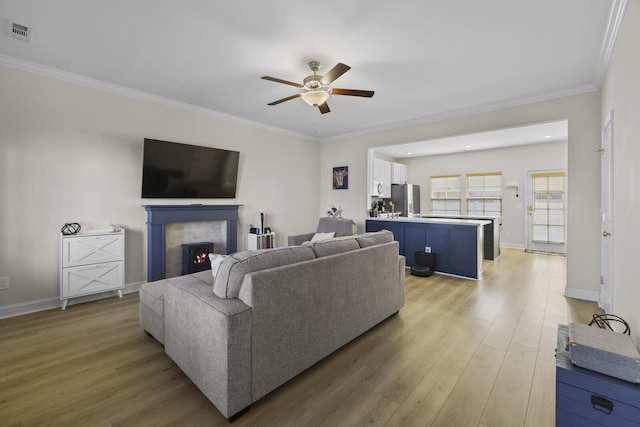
[[583, 114], [621, 93], [512, 162], [70, 153]]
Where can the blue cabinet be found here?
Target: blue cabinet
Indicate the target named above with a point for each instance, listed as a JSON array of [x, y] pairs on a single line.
[[588, 398], [457, 247], [491, 230], [414, 240]]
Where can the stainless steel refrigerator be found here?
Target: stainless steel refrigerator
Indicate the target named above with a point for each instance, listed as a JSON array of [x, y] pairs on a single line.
[[406, 199]]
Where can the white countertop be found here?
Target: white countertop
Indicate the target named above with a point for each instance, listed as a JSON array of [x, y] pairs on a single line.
[[480, 217], [453, 221]]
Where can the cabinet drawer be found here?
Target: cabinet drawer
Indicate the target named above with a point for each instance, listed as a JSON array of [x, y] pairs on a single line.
[[596, 407], [84, 250], [567, 419], [90, 279]]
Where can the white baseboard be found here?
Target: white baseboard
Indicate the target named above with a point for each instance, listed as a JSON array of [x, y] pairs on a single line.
[[582, 294], [511, 246], [49, 303]]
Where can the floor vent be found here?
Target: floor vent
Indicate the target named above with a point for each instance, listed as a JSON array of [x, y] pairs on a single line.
[[531, 251], [21, 32]]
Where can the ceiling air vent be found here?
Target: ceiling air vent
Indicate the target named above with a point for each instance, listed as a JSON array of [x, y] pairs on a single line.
[[21, 32]]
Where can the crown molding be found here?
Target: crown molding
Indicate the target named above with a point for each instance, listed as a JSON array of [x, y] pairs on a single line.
[[616, 16], [30, 67]]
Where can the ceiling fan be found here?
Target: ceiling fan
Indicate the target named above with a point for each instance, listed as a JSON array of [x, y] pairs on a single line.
[[316, 89]]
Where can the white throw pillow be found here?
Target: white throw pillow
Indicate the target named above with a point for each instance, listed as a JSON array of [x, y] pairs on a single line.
[[322, 236], [216, 260]]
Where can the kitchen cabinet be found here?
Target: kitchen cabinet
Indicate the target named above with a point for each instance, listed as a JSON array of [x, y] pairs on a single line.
[[456, 243], [381, 185], [491, 233], [398, 173]]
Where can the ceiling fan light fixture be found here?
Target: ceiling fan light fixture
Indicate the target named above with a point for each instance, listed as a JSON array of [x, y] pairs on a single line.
[[315, 97]]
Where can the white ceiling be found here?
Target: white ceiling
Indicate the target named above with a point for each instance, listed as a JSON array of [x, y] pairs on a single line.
[[499, 138], [425, 59]]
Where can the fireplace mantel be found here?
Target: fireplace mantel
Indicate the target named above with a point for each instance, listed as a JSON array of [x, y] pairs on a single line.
[[158, 216]]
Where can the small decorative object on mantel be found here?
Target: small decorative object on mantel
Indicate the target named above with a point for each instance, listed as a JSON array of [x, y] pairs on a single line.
[[70, 228], [334, 212], [341, 178]]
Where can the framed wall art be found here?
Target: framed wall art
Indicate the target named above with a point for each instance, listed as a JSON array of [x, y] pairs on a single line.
[[341, 178]]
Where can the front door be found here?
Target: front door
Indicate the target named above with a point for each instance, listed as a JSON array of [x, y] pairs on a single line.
[[547, 211]]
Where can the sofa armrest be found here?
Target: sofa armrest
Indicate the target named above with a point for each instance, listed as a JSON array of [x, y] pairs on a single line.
[[299, 239], [209, 338]]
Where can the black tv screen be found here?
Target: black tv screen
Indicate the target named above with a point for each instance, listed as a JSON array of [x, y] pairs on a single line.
[[173, 170]]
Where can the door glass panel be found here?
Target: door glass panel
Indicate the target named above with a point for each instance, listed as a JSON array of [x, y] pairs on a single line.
[[549, 208]]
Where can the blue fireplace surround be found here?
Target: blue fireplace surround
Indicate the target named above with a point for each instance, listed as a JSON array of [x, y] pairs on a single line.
[[158, 216]]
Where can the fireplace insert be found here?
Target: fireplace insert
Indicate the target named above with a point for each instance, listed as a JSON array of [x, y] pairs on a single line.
[[195, 257]]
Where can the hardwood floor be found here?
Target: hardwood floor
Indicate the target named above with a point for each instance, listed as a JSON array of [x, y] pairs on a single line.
[[460, 353]]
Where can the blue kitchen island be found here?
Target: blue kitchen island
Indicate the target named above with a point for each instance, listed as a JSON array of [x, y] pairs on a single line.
[[456, 243]]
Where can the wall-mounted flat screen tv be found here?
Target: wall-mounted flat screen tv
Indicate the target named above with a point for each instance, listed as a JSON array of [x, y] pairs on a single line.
[[173, 170]]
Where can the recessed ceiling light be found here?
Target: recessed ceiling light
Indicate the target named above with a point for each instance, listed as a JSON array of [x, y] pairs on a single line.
[[548, 136], [409, 153]]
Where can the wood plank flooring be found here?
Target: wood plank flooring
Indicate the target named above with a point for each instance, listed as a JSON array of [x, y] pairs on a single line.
[[460, 353]]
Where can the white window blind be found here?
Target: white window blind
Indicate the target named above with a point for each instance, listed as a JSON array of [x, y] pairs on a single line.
[[484, 194], [548, 207], [445, 195]]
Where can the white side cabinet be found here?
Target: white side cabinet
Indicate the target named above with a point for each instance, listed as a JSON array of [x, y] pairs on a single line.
[[91, 262]]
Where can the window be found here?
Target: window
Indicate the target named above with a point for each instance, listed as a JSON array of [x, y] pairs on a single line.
[[548, 207], [484, 194], [445, 195]]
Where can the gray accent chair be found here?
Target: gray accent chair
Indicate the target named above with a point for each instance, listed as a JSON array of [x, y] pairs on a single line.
[[340, 226]]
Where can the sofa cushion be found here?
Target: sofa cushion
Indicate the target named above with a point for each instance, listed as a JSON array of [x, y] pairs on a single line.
[[232, 270], [334, 246], [375, 238]]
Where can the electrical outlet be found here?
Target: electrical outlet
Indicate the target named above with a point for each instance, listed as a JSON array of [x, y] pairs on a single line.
[[427, 249], [4, 283]]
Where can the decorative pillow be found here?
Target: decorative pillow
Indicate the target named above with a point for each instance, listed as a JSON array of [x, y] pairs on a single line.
[[334, 246], [234, 267], [374, 238], [322, 236], [216, 260]]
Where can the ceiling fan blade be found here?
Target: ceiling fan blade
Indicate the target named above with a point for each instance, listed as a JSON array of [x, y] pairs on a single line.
[[288, 98], [274, 79], [334, 73], [324, 108], [352, 92]]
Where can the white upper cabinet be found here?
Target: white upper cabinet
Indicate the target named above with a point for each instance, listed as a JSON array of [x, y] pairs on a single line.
[[381, 185], [398, 173]]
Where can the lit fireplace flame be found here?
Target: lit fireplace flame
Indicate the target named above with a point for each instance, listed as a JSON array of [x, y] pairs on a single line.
[[200, 258]]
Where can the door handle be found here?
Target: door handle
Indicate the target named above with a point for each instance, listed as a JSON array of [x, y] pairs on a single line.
[[606, 234]]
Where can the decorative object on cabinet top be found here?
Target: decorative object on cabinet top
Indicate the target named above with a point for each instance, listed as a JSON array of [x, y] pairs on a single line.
[[70, 228]]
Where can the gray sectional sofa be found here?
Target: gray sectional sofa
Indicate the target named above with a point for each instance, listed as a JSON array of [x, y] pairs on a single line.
[[271, 314]]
